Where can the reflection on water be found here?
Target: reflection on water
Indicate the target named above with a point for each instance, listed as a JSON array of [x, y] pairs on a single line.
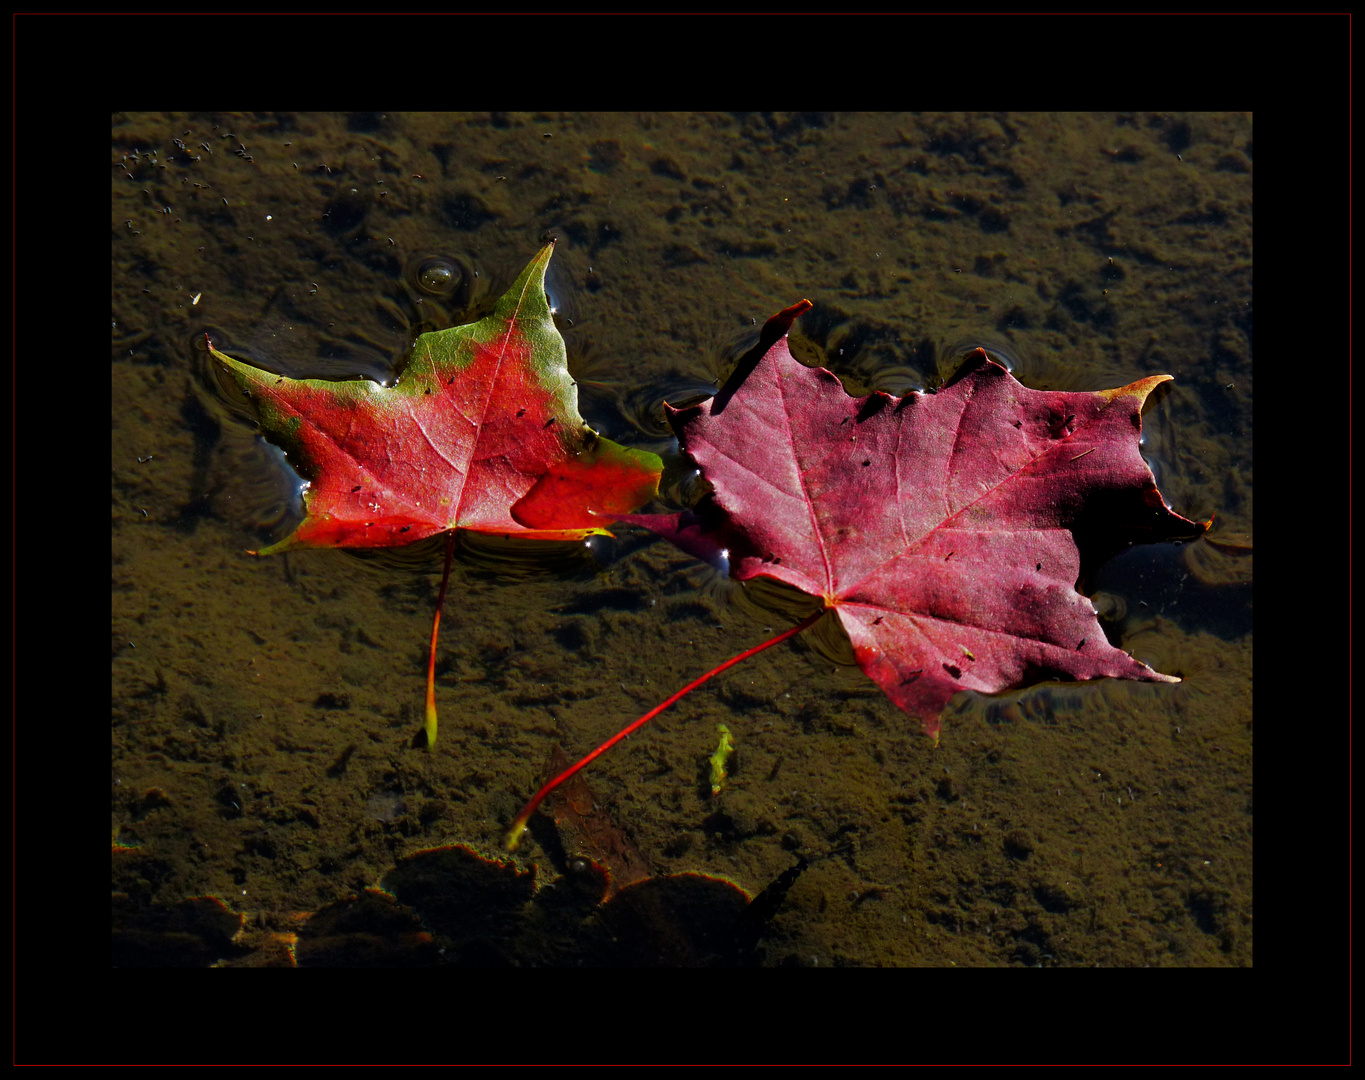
[[1155, 580], [490, 554]]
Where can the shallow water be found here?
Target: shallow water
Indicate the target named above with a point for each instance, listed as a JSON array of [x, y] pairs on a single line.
[[263, 708]]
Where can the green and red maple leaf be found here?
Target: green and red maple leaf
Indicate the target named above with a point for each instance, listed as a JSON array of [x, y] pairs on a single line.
[[480, 431]]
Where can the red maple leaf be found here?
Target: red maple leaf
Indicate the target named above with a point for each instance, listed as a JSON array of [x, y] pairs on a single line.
[[941, 529], [481, 431]]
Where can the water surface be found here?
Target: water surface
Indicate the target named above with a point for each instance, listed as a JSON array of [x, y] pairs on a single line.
[[263, 708]]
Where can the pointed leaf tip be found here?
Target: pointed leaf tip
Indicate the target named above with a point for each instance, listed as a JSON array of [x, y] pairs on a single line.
[[1139, 389], [781, 323], [774, 330]]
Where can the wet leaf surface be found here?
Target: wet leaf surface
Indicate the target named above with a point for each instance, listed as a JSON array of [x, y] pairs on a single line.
[[941, 529], [481, 431]]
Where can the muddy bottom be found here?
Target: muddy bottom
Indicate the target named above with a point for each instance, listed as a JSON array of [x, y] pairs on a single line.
[[267, 804]]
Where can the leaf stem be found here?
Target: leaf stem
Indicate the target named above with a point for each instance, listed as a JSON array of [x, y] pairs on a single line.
[[519, 825], [430, 726]]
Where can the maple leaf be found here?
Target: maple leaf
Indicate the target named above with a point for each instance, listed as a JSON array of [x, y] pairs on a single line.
[[940, 528], [481, 431]]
